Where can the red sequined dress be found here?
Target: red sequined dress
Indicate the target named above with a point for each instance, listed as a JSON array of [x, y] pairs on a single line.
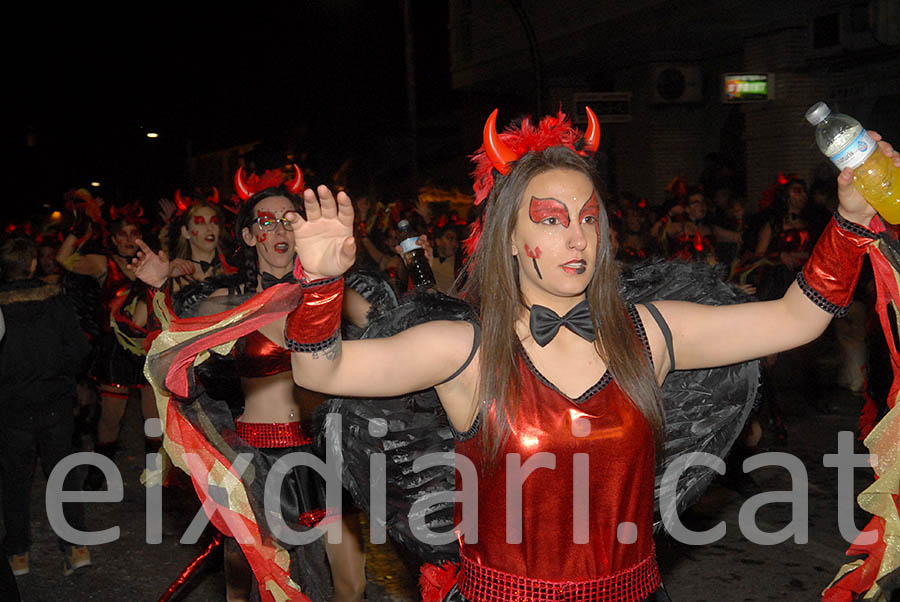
[[586, 527]]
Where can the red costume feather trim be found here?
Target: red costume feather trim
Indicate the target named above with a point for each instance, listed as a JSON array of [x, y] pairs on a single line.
[[435, 582]]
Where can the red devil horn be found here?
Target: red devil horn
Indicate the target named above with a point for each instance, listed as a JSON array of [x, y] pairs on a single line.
[[214, 199], [240, 185], [500, 155], [296, 185], [179, 201], [592, 135]]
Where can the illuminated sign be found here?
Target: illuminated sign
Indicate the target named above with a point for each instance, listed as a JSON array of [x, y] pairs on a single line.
[[747, 87]]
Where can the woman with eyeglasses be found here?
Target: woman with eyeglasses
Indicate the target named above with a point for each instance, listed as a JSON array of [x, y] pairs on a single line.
[[269, 426]]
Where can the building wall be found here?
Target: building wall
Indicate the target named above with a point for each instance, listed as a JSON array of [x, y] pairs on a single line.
[[615, 48]]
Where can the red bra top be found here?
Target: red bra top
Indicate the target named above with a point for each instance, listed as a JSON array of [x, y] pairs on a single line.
[[255, 355], [604, 452]]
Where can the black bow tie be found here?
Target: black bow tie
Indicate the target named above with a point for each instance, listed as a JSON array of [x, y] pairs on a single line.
[[206, 265], [544, 322], [270, 280]]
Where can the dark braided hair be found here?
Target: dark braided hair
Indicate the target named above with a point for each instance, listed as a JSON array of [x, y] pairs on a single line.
[[246, 259]]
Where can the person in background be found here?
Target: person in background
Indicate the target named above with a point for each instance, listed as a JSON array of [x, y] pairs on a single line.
[[40, 355], [447, 256], [124, 305], [685, 232]]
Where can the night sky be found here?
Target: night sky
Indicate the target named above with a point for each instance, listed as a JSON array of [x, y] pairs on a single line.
[[87, 84]]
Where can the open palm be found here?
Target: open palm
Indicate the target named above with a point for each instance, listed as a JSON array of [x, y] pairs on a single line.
[[324, 240]]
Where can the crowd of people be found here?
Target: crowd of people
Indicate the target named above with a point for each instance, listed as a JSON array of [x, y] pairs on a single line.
[[276, 277]]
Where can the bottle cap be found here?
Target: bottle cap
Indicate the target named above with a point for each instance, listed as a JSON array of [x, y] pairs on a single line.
[[817, 113], [403, 225]]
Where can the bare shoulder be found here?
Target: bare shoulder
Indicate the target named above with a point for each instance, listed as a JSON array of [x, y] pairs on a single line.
[[448, 339]]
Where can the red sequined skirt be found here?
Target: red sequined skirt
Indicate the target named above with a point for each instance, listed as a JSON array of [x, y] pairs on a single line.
[[302, 492], [479, 583]]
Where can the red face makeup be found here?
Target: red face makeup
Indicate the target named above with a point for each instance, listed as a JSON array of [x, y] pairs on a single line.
[[262, 237], [533, 253], [590, 209], [199, 220], [542, 209]]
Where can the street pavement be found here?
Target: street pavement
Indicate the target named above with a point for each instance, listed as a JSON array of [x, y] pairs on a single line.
[[733, 568]]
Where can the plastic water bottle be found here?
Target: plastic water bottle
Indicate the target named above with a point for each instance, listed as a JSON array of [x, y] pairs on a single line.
[[843, 140], [419, 270]]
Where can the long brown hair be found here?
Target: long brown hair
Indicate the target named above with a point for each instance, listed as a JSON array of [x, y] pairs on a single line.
[[178, 245], [493, 287]]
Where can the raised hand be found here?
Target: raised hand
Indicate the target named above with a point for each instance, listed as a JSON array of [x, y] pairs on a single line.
[[181, 267], [324, 240], [149, 267], [166, 210], [853, 205]]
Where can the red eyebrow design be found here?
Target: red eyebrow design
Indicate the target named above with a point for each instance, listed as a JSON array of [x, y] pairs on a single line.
[[541, 209], [214, 219], [199, 219], [591, 207], [265, 214]]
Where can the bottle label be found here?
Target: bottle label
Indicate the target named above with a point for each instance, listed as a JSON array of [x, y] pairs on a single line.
[[855, 153], [409, 244]]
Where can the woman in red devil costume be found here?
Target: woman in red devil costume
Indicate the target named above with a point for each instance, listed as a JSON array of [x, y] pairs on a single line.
[[557, 420], [118, 360], [202, 437], [194, 240]]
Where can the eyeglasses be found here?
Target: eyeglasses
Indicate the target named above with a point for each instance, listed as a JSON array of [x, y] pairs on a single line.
[[268, 224]]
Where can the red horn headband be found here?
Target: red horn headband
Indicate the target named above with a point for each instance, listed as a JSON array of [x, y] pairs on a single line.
[[180, 203], [240, 186], [592, 135], [183, 203], [246, 188], [296, 185], [502, 156]]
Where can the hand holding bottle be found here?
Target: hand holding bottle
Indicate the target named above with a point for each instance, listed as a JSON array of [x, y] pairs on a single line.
[[853, 205], [875, 171], [415, 256]]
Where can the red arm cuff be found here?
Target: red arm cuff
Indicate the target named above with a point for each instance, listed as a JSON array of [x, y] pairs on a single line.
[[314, 325], [829, 277]]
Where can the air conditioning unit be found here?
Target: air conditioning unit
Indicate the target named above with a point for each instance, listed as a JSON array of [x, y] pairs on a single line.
[[674, 83]]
